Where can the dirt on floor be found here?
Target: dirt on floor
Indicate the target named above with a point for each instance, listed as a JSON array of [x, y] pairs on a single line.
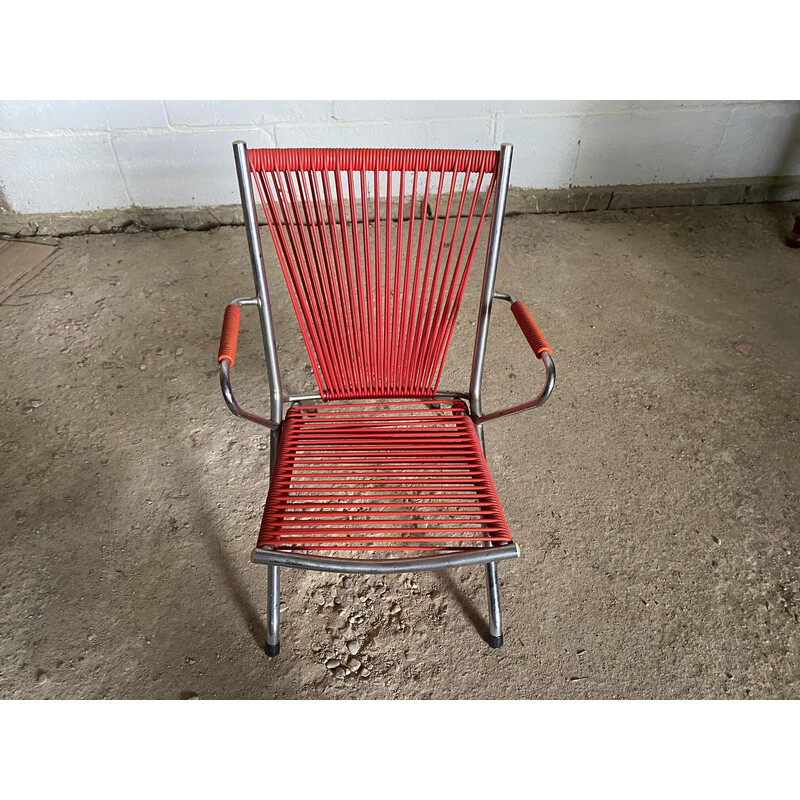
[[654, 497]]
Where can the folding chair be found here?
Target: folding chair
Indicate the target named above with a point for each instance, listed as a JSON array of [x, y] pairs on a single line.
[[379, 471]]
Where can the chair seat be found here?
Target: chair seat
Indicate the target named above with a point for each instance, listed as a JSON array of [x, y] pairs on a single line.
[[381, 476]]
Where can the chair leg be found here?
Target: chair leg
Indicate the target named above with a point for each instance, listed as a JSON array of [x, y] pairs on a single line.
[[273, 646], [493, 591]]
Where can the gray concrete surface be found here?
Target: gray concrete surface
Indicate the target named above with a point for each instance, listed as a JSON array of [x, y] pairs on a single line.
[[655, 497]]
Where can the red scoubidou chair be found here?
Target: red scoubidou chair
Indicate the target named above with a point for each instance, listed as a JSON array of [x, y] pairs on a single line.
[[380, 471]]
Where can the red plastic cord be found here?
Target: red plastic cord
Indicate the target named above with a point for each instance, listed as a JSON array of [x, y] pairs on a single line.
[[230, 334], [376, 288], [343, 159], [381, 477], [530, 329]]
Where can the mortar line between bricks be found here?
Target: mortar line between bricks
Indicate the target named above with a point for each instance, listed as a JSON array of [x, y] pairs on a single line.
[[575, 160], [119, 168], [165, 112]]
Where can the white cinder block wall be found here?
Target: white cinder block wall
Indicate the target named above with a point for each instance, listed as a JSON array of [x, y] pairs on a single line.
[[67, 156]]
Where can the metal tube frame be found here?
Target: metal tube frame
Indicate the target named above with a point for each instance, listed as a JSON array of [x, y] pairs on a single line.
[[260, 280], [225, 378], [230, 400], [478, 358], [549, 383], [384, 566], [275, 559], [488, 295], [272, 646]]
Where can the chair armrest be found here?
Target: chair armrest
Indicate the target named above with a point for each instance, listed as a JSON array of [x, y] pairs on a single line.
[[530, 329], [225, 359], [538, 343]]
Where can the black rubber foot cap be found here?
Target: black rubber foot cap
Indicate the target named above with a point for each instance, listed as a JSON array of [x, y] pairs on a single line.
[[272, 649], [496, 641]]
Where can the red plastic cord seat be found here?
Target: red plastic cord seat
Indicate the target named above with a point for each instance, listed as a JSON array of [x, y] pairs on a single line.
[[380, 477]]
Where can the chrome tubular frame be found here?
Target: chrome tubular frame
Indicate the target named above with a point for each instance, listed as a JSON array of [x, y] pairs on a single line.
[[260, 280], [549, 381], [487, 294], [478, 358], [230, 400], [272, 647], [384, 566], [225, 380]]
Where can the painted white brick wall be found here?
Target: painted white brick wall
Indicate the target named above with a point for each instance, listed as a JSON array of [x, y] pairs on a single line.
[[650, 146], [62, 156], [169, 168], [545, 149]]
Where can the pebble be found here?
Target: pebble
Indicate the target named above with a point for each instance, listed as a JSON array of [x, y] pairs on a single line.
[[189, 661], [94, 229], [347, 583], [333, 663], [143, 366], [354, 664], [395, 609], [365, 673], [319, 599], [354, 647], [41, 677], [283, 607], [35, 403], [191, 696], [179, 351], [339, 672]]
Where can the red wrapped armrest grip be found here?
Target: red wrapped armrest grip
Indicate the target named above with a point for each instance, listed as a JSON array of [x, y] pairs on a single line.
[[530, 329], [230, 334]]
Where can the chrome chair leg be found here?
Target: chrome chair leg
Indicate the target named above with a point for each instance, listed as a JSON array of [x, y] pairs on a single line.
[[493, 591], [273, 646]]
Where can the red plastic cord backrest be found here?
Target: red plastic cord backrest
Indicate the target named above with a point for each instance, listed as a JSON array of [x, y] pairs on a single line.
[[376, 284]]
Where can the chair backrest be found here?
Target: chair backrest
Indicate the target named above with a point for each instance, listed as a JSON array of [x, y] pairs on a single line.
[[375, 246]]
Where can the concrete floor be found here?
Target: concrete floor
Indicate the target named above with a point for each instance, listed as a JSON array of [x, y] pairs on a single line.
[[655, 497]]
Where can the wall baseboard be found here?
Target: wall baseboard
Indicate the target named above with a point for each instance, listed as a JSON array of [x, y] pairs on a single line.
[[520, 201]]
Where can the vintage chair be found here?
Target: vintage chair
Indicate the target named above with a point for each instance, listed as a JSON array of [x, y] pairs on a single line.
[[380, 472]]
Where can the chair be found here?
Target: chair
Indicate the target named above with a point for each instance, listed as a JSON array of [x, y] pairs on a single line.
[[380, 471]]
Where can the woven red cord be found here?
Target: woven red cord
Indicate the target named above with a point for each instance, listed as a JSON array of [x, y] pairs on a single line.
[[370, 477], [382, 159], [376, 289]]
